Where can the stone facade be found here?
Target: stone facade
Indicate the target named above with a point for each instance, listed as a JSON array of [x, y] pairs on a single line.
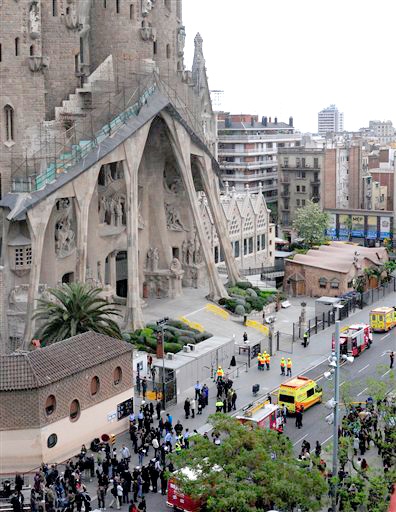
[[107, 191], [250, 231]]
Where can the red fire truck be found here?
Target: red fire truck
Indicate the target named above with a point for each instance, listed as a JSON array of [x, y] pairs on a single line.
[[177, 499], [354, 339]]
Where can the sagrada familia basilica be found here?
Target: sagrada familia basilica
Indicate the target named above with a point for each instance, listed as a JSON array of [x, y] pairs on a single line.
[[106, 142]]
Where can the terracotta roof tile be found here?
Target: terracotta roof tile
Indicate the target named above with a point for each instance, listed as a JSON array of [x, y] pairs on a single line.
[[56, 362]]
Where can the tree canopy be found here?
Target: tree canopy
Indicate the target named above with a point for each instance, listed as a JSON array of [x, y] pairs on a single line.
[[311, 224], [76, 308], [252, 469]]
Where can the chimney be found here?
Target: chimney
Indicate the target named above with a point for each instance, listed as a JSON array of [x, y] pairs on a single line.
[[269, 120], [291, 122], [276, 120], [264, 120]]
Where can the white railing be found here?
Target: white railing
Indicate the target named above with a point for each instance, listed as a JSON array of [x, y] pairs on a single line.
[[246, 137]]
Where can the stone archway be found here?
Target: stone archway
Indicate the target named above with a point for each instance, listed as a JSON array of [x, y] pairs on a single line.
[[121, 261]]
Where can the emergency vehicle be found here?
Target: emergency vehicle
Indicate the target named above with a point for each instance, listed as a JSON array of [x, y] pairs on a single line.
[[382, 319], [299, 391], [263, 414], [354, 339]]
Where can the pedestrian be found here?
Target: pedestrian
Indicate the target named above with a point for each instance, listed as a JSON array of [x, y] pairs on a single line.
[[392, 358], [282, 366], [219, 374], [178, 428], [364, 466], [101, 494], [164, 482], [355, 445], [234, 397], [305, 339], [187, 407], [200, 404], [197, 388], [192, 407], [225, 405], [289, 367], [318, 449], [138, 379], [205, 392], [142, 505], [132, 507], [149, 362], [268, 361], [245, 337], [219, 405], [158, 408], [284, 414], [144, 387], [232, 362]]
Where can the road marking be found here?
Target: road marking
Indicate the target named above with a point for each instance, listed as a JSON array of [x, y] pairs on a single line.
[[328, 439], [382, 355], [299, 441], [361, 393], [386, 335], [193, 312], [386, 373], [342, 383], [364, 367], [320, 378]]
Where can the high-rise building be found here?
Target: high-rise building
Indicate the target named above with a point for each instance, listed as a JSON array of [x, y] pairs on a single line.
[[247, 151], [330, 120]]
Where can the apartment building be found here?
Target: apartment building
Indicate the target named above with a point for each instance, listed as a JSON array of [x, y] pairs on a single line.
[[300, 177], [247, 151], [384, 130], [330, 120]]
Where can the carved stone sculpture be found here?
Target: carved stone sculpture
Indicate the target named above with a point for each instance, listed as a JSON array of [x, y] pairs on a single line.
[[152, 259], [65, 234], [147, 5], [140, 218], [184, 251], [190, 252], [34, 20], [147, 32], [84, 14], [181, 41], [111, 210], [173, 221], [176, 266]]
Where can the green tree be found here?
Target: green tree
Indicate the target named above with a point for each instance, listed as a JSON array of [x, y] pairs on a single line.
[[252, 469], [76, 308], [311, 224]]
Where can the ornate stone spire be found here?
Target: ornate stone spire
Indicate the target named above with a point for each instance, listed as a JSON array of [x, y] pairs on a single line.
[[198, 67]]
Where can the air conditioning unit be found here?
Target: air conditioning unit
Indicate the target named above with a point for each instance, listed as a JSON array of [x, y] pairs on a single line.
[[186, 348], [191, 346], [170, 356]]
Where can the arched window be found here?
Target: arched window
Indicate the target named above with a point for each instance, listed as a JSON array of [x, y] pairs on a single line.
[[9, 123], [54, 7], [117, 375], [95, 385], [118, 6], [322, 282], [131, 12], [74, 412], [155, 47], [334, 283], [50, 405], [168, 51], [16, 46], [31, 50]]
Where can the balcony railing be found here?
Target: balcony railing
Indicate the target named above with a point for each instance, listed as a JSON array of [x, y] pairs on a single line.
[[274, 137], [299, 167], [247, 165], [257, 151]]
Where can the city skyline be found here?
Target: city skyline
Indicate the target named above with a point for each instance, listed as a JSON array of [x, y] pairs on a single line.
[[279, 53]]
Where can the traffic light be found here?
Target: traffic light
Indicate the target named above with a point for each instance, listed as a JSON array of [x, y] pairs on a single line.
[[112, 438]]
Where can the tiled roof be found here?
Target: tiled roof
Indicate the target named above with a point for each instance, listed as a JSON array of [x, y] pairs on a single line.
[[44, 366]]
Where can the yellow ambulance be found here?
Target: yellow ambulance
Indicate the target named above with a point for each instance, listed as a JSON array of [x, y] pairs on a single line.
[[299, 391], [382, 319]]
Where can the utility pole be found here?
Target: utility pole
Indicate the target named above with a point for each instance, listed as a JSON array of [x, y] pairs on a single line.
[[336, 411], [161, 353]]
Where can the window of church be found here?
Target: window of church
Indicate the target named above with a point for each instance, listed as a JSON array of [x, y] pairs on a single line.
[[131, 12], [9, 123], [75, 410], [0, 53], [236, 249], [31, 50], [168, 51], [19, 261], [155, 47], [16, 46], [167, 4], [54, 7], [118, 2]]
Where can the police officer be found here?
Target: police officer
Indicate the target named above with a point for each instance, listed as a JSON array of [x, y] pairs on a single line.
[[305, 339]]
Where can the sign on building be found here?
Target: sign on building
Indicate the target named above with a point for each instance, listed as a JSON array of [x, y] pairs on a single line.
[[385, 227], [124, 409], [358, 225]]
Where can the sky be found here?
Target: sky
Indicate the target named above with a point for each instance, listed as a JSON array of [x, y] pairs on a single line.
[[284, 58]]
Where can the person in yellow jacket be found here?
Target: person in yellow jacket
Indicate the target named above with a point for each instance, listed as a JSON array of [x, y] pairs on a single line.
[[220, 373], [268, 361], [262, 361], [289, 367], [282, 366], [259, 361]]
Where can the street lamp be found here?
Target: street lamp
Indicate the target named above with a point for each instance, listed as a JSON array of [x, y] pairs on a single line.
[[334, 417], [161, 323]]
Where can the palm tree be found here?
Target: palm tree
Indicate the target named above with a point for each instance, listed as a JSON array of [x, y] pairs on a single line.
[[77, 308]]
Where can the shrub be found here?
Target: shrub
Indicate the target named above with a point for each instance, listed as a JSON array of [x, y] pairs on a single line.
[[235, 290], [240, 310], [241, 302], [172, 347], [183, 340], [244, 285], [231, 304], [223, 301], [202, 336], [147, 332], [257, 303], [151, 342], [248, 308], [251, 292]]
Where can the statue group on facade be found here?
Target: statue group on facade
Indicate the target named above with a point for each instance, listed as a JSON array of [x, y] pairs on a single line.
[[112, 211], [173, 220], [191, 251]]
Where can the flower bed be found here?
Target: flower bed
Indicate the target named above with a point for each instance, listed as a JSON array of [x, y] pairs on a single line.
[[176, 335]]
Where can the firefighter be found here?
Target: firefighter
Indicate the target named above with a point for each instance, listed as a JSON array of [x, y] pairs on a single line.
[[220, 373], [267, 361], [259, 361], [282, 366], [262, 360], [289, 367]]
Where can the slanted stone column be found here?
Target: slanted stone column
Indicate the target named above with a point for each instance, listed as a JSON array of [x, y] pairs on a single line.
[[133, 148], [181, 145], [84, 187], [113, 270], [212, 193], [38, 219]]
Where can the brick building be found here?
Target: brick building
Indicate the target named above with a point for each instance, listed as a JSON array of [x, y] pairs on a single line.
[[329, 270], [56, 398]]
